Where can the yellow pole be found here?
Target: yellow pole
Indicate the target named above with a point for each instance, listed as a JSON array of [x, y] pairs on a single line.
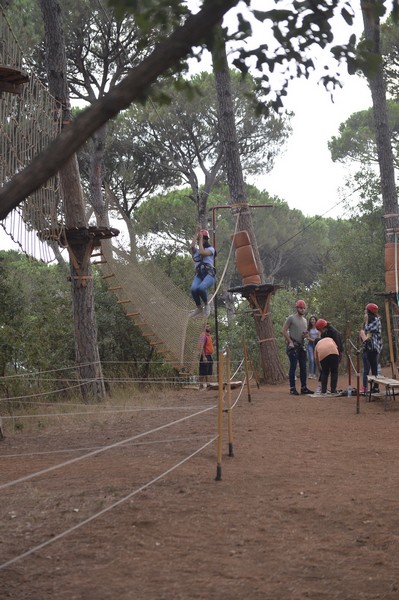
[[220, 417], [389, 333], [244, 345], [228, 402]]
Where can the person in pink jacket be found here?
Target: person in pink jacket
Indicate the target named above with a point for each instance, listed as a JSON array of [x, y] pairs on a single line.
[[327, 359]]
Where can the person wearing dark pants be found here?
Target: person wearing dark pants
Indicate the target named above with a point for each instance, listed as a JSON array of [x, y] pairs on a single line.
[[206, 351], [295, 333], [327, 359], [373, 341]]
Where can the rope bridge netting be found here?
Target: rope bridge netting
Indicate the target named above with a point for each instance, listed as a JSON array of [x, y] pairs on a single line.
[[29, 120], [156, 305]]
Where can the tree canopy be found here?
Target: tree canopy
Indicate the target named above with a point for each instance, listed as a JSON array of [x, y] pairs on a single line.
[[295, 30]]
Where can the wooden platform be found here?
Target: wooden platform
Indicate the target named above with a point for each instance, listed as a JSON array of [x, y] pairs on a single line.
[[390, 386], [12, 79]]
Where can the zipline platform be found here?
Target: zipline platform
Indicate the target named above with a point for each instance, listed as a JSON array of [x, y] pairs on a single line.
[[12, 79], [258, 296]]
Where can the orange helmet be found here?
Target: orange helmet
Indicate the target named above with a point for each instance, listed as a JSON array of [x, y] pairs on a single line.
[[373, 308], [204, 233], [320, 324], [300, 304]]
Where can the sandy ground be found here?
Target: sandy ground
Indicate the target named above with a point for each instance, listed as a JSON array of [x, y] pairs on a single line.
[[307, 508]]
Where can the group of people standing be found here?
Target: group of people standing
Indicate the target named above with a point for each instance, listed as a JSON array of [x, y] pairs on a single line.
[[322, 344]]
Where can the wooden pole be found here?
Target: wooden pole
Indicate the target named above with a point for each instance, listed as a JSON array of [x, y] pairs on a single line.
[[228, 402], [389, 333], [244, 345], [220, 418], [358, 351], [348, 362]]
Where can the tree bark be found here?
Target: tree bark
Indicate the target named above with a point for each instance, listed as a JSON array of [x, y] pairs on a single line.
[[380, 113], [85, 327], [377, 85], [272, 368]]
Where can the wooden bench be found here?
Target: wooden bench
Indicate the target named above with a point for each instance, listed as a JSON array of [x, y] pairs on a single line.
[[390, 386]]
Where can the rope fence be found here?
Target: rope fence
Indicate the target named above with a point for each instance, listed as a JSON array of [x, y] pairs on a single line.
[[131, 441]]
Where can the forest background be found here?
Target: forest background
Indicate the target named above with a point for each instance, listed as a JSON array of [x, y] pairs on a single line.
[[159, 164]]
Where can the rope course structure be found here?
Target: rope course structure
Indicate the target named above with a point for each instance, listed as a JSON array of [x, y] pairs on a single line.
[[156, 306], [29, 120]]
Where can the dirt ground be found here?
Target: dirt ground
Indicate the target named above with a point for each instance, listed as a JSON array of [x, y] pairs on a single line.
[[307, 508]]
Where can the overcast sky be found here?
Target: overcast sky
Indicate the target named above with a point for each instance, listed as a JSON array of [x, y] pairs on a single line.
[[305, 175]]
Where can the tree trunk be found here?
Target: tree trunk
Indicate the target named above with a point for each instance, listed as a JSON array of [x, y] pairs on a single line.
[[380, 113], [383, 140], [272, 368], [96, 177], [87, 355], [133, 87]]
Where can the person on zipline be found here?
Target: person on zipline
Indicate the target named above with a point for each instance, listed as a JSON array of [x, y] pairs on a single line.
[[203, 254]]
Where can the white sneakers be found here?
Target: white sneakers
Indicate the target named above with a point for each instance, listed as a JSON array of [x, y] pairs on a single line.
[[203, 311]]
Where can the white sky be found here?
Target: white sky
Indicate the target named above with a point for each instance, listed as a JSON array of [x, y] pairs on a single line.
[[305, 175]]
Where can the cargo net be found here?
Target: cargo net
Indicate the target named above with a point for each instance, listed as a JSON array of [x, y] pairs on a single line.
[[29, 120], [157, 307]]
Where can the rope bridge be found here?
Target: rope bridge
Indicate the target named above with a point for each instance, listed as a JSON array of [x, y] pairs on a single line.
[[29, 120], [156, 306]]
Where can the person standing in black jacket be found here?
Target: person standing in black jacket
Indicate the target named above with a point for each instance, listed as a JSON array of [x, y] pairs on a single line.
[[327, 330]]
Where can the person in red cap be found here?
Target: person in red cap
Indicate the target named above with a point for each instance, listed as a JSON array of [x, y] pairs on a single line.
[[203, 254], [328, 331], [295, 333], [327, 359], [365, 360], [373, 340]]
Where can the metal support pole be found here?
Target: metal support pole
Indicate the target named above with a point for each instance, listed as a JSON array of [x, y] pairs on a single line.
[[348, 361], [228, 402], [220, 418], [358, 351]]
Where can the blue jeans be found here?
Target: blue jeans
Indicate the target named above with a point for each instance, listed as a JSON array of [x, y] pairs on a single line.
[[199, 288], [312, 363], [297, 355], [366, 368]]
